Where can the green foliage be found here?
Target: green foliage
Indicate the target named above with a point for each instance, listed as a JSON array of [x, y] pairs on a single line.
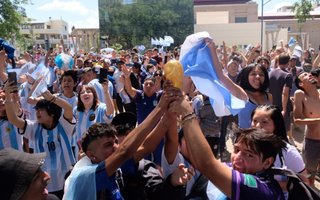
[[302, 10], [117, 47], [135, 24], [12, 15]]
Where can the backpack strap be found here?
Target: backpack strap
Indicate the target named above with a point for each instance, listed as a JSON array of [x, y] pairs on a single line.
[[281, 158], [296, 187]]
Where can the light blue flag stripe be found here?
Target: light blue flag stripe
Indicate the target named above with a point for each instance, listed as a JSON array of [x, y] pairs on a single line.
[[197, 64]]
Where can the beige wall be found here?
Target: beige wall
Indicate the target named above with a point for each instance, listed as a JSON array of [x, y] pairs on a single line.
[[238, 34], [219, 17], [249, 10], [311, 30]]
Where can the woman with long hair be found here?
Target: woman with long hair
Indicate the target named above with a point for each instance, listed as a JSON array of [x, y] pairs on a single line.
[[269, 118], [90, 110], [254, 80]]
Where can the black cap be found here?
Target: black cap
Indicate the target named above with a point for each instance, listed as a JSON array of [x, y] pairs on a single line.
[[17, 169]]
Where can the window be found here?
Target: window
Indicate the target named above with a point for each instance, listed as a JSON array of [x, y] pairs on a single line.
[[240, 20], [48, 27], [40, 37], [38, 26]]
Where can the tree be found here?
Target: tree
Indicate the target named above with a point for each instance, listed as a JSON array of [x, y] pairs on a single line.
[[12, 15], [135, 24], [302, 10]]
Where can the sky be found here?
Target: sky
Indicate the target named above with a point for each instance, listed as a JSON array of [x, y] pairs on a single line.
[[84, 13]]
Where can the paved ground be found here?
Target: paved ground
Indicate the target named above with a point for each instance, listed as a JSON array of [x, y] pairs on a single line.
[[298, 135]]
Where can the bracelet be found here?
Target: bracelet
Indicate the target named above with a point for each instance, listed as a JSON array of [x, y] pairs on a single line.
[[188, 118], [184, 117]]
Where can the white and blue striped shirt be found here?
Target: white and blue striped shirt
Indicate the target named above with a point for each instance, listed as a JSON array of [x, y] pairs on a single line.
[[56, 143], [73, 101], [9, 136], [86, 119], [99, 89], [28, 109]]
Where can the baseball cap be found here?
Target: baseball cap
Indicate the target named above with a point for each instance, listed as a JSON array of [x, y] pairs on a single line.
[[17, 169], [294, 57]]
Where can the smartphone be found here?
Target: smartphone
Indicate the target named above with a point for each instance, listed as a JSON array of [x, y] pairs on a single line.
[[103, 76], [12, 77]]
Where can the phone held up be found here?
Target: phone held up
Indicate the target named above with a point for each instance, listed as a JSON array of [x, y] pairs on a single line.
[[12, 78]]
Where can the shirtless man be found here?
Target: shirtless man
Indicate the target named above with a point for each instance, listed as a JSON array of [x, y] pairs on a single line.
[[306, 112]]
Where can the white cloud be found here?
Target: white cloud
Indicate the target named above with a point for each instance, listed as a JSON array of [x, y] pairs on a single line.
[[92, 21], [66, 6]]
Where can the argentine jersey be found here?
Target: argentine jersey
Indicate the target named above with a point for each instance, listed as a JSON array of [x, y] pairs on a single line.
[[73, 101], [56, 143], [89, 181], [86, 119], [99, 89], [9, 136], [28, 109]]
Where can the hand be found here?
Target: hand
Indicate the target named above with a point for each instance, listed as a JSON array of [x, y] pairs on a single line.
[[182, 175], [48, 96], [10, 88], [169, 95], [283, 113], [210, 43], [125, 70], [181, 106]]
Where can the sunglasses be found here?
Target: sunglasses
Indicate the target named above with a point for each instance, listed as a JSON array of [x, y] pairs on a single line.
[[157, 74]]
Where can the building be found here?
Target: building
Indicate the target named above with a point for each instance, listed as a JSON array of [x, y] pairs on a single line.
[[47, 34], [85, 39], [307, 34], [233, 21], [237, 23]]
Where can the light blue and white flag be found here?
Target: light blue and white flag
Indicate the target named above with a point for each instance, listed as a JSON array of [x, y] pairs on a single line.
[[197, 63], [292, 42]]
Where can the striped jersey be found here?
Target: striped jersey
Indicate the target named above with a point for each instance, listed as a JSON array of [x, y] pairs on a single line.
[[86, 119], [28, 109], [56, 143], [73, 101], [99, 89], [9, 136]]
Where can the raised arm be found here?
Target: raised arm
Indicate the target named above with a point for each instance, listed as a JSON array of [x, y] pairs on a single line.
[[12, 106], [155, 137], [3, 74], [316, 61], [135, 138], [234, 89], [67, 108], [171, 145], [200, 152], [109, 102], [127, 82]]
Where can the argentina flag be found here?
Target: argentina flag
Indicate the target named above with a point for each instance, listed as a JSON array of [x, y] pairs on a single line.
[[197, 63]]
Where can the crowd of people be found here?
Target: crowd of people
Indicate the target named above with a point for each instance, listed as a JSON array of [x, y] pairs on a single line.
[[113, 127]]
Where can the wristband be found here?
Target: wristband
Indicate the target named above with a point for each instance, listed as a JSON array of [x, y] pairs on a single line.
[[188, 118], [184, 117]]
